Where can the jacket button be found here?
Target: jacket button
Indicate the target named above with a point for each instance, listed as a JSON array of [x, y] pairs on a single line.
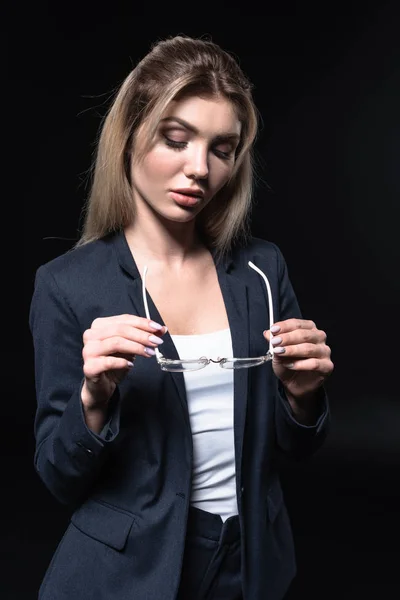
[[242, 490]]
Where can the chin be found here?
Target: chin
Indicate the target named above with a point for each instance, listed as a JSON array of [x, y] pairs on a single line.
[[183, 217]]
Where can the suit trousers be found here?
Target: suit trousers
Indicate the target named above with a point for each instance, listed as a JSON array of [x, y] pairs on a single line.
[[211, 567]]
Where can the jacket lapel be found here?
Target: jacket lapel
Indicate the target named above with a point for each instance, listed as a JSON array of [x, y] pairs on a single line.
[[235, 294], [168, 348]]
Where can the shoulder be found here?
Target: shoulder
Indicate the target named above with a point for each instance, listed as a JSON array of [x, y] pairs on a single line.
[[79, 275], [78, 281], [80, 262], [257, 245], [258, 249]]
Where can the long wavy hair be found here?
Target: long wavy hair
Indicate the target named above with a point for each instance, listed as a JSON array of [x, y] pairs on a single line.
[[175, 67]]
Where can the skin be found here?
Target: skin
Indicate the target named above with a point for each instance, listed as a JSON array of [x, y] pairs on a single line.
[[194, 147]]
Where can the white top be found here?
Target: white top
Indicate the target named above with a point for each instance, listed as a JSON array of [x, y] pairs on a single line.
[[210, 402]]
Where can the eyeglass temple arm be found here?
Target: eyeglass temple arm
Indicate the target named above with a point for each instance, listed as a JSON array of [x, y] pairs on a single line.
[[270, 307], [146, 306]]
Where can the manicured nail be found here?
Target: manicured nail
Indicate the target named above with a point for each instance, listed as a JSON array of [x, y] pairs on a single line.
[[155, 340], [149, 351], [279, 350], [290, 365], [129, 364], [275, 329], [155, 325], [276, 340]]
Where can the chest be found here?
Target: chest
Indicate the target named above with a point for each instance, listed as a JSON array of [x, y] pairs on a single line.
[[189, 303]]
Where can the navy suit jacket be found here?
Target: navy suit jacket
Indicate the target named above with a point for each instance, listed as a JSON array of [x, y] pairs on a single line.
[[129, 488]]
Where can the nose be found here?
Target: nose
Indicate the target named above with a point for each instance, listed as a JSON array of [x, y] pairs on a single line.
[[196, 166]]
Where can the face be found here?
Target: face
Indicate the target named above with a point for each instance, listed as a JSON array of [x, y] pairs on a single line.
[[190, 161]]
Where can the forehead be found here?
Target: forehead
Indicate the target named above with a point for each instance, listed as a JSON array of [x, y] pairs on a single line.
[[210, 116]]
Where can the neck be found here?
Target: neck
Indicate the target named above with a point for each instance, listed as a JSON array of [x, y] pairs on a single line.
[[170, 244]]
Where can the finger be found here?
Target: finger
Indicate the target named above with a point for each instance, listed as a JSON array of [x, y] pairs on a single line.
[[291, 325], [94, 367], [123, 331], [117, 346], [299, 336], [324, 366], [132, 320], [305, 350]]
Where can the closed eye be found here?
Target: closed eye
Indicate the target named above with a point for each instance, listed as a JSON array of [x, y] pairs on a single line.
[[223, 155], [182, 145], [175, 144]]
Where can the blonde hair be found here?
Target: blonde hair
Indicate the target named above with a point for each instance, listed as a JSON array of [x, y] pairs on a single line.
[[175, 67]]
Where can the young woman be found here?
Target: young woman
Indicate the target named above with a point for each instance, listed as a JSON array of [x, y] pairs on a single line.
[[172, 362]]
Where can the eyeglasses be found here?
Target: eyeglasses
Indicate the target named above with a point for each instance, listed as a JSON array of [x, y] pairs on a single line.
[[179, 366]]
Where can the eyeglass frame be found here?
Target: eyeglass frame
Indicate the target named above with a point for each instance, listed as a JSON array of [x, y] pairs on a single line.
[[164, 362]]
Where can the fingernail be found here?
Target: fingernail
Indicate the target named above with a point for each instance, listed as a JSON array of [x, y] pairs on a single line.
[[275, 329], [129, 363], [155, 339], [279, 350], [149, 351], [155, 325], [276, 340], [290, 365]]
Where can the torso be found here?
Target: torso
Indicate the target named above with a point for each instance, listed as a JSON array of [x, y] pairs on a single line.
[[190, 302]]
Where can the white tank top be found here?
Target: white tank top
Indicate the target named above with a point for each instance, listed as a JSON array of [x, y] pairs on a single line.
[[210, 402]]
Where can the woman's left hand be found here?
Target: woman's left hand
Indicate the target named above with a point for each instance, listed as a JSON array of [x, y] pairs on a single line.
[[302, 359]]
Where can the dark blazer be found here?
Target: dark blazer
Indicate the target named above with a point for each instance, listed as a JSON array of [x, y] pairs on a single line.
[[129, 488]]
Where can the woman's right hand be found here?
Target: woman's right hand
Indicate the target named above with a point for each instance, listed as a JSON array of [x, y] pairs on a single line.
[[110, 346]]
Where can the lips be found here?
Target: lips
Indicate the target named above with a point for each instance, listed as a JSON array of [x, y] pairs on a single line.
[[184, 199], [190, 191]]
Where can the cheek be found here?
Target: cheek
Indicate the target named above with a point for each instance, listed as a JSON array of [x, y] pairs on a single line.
[[160, 163], [220, 173]]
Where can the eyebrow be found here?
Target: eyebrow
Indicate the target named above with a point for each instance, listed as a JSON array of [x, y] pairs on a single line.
[[218, 138]]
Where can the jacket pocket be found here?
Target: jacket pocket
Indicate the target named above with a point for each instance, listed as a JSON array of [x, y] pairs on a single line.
[[103, 523], [274, 500]]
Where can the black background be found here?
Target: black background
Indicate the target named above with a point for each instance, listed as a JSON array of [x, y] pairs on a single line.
[[327, 86]]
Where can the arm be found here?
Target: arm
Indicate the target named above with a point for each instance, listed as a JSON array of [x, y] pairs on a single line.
[[302, 414], [295, 439], [68, 455]]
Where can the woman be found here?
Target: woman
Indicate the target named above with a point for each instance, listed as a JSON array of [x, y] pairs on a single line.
[[167, 460]]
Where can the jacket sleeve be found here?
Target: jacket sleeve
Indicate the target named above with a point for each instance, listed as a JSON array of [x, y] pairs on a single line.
[[295, 440], [68, 456]]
